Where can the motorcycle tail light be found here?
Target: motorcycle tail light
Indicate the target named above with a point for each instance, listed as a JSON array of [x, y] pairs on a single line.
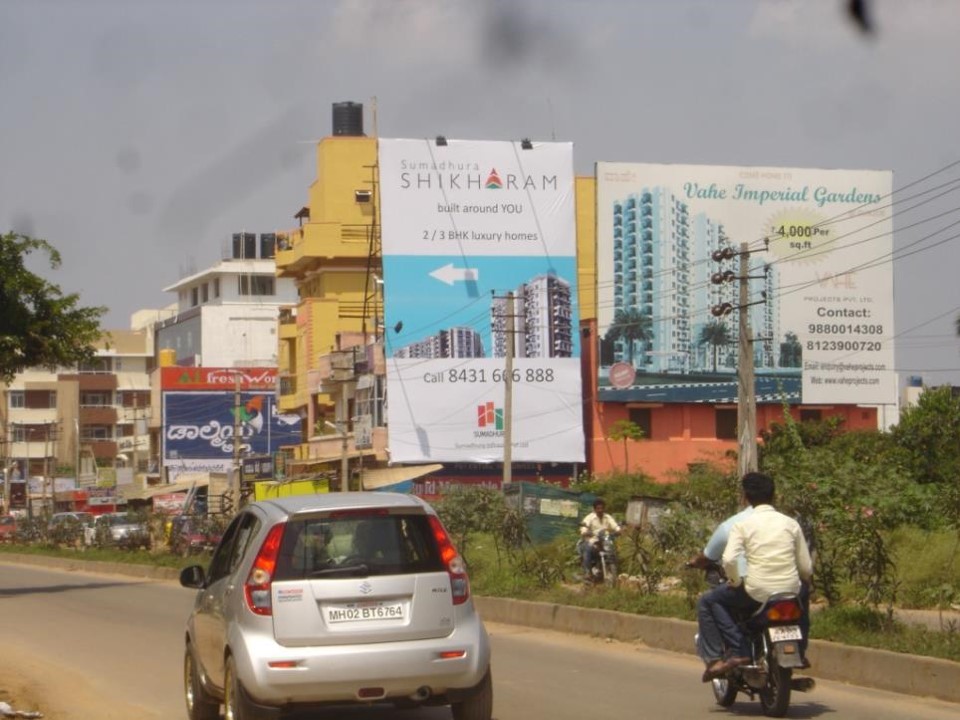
[[784, 610]]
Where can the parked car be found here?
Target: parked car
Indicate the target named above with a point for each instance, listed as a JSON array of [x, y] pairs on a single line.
[[71, 527], [192, 534], [334, 599], [122, 529], [8, 528]]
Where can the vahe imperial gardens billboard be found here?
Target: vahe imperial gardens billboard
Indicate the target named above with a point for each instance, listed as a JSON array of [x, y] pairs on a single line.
[[466, 225], [670, 242]]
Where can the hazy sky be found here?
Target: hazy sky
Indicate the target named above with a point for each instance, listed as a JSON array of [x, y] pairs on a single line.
[[136, 136]]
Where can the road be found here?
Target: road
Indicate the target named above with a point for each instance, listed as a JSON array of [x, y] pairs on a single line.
[[111, 647]]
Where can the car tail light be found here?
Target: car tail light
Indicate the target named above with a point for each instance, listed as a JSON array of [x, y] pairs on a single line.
[[257, 588], [459, 583], [784, 610]]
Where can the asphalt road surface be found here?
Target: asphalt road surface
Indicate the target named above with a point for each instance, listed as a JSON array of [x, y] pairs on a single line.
[[99, 646]]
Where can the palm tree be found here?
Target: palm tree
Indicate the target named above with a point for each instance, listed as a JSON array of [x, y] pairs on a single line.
[[717, 334], [630, 325]]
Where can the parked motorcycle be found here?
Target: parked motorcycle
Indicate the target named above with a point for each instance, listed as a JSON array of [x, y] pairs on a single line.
[[774, 634], [604, 569]]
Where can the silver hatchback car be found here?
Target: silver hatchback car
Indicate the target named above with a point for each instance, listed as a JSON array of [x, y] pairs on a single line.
[[334, 599]]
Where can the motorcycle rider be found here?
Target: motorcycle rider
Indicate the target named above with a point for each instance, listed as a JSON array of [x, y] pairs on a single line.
[[767, 551], [590, 528]]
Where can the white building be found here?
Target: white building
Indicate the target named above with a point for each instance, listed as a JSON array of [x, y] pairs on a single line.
[[227, 314]]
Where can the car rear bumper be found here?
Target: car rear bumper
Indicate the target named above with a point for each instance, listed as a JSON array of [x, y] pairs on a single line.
[[336, 674]]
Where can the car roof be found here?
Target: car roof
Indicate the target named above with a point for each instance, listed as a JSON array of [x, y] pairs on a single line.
[[322, 502]]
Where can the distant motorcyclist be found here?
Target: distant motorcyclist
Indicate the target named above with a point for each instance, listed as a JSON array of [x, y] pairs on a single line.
[[590, 528]]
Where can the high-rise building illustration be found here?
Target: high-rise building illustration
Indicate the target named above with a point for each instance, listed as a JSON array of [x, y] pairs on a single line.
[[543, 320], [662, 301], [455, 342], [651, 269]]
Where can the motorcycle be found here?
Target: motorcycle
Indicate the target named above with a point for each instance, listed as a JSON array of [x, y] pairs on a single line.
[[774, 634], [604, 568]]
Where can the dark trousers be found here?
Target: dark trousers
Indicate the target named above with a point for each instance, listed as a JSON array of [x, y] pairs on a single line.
[[716, 610], [715, 617]]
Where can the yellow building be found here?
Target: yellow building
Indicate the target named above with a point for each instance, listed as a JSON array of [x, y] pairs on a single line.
[[328, 344]]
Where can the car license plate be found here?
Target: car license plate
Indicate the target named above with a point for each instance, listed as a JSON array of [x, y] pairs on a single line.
[[361, 612], [785, 632]]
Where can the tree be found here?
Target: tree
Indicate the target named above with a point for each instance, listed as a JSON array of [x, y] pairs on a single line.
[[39, 325], [928, 434], [625, 430], [791, 351], [630, 325], [716, 334]]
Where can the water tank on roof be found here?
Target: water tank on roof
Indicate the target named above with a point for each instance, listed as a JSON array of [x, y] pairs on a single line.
[[168, 357], [348, 119]]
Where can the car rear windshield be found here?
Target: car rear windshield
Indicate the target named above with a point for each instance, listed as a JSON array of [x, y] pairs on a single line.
[[357, 544]]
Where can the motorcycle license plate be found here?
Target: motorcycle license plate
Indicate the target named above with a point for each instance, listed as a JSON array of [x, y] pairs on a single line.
[[785, 632]]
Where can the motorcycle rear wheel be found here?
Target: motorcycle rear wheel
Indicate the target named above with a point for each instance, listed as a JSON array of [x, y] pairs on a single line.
[[724, 691], [775, 695]]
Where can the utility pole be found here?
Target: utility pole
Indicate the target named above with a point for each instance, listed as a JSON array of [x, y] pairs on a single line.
[[237, 439], [508, 397], [746, 388], [136, 447], [344, 456]]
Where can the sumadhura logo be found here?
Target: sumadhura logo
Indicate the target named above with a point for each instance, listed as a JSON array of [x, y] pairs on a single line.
[[490, 420], [430, 176]]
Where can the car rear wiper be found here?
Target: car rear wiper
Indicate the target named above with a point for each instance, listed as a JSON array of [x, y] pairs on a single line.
[[358, 570]]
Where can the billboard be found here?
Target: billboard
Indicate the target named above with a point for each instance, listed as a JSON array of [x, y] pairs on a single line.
[[199, 425], [465, 224], [218, 378], [819, 278]]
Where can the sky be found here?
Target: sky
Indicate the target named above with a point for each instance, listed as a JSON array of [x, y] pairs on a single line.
[[137, 135]]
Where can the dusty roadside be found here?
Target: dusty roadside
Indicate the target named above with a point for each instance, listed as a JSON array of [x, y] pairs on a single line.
[[29, 683]]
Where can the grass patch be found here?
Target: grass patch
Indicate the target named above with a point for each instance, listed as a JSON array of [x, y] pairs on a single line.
[[928, 568], [873, 629], [115, 555]]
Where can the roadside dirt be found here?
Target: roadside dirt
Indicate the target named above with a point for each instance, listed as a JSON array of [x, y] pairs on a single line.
[[29, 684]]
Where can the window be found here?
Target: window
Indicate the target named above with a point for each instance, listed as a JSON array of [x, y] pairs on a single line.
[[256, 285], [386, 544], [216, 287], [204, 292], [810, 415], [194, 297], [19, 434], [726, 423], [97, 365], [17, 399], [95, 432], [643, 418], [94, 399]]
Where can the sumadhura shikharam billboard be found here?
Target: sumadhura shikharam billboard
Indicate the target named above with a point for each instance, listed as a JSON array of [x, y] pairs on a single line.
[[464, 224], [820, 283]]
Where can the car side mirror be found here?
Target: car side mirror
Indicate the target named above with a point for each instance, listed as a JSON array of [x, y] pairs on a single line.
[[193, 577]]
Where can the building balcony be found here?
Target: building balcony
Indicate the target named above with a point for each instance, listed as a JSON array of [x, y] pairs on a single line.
[[98, 415], [323, 241], [101, 448], [287, 329], [97, 381]]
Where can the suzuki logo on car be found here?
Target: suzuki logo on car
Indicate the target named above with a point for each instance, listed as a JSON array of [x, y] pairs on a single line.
[[366, 588]]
